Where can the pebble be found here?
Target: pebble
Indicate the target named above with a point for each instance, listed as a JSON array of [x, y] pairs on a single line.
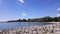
[[45, 29]]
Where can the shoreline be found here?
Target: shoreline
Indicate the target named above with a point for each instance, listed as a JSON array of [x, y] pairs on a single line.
[[30, 30], [44, 29], [53, 22]]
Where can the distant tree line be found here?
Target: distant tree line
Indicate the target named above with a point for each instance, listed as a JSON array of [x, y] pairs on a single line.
[[44, 19]]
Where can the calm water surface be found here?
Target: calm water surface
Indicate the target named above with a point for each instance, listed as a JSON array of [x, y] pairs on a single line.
[[19, 24]]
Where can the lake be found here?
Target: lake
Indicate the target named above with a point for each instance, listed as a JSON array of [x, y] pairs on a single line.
[[20, 24]]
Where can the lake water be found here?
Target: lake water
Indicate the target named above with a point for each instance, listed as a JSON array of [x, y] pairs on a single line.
[[19, 24]]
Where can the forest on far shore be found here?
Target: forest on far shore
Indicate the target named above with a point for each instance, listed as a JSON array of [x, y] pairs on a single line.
[[43, 19]]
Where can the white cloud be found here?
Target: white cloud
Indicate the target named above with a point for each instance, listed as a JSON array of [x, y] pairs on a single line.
[[24, 14], [58, 15], [58, 9], [21, 1]]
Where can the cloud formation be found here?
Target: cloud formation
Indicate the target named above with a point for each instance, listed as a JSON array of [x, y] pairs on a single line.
[[21, 1], [58, 12], [58, 9], [58, 15], [24, 14]]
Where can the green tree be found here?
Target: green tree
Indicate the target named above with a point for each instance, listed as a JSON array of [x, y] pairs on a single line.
[[24, 20], [55, 19]]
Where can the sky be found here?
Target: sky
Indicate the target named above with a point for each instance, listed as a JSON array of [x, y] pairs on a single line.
[[24, 9]]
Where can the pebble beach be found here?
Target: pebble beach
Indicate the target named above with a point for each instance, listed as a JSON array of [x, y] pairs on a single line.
[[44, 29]]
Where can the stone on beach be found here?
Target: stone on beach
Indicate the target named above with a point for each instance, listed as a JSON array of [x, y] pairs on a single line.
[[45, 29]]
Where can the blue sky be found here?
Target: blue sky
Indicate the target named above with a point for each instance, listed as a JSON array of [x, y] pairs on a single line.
[[22, 9]]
